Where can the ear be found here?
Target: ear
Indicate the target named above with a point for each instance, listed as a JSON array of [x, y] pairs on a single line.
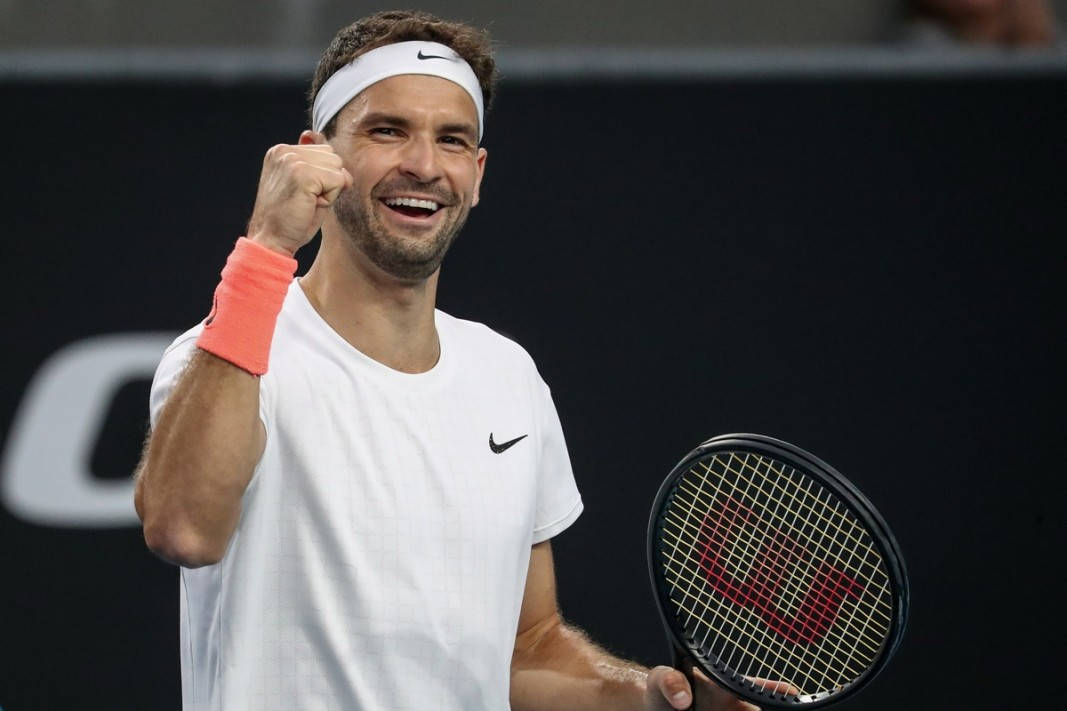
[[480, 167], [310, 137]]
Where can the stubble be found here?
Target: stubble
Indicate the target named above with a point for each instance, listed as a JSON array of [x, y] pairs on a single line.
[[408, 256]]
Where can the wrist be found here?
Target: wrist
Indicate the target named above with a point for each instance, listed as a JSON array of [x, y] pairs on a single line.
[[264, 239], [249, 298]]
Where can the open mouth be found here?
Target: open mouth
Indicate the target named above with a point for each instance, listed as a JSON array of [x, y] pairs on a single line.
[[412, 207]]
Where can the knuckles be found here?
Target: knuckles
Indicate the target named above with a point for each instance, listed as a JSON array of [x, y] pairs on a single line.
[[299, 160], [295, 172], [274, 153]]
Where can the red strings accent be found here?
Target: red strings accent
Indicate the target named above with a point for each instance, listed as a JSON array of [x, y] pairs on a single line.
[[761, 587]]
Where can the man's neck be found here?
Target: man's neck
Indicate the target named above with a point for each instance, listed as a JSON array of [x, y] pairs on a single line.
[[386, 319]]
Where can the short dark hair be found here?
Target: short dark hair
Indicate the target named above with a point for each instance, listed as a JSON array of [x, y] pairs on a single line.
[[391, 26]]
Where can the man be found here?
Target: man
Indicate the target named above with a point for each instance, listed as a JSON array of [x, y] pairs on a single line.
[[348, 538]]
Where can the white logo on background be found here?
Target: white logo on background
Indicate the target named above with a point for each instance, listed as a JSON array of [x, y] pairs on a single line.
[[44, 474]]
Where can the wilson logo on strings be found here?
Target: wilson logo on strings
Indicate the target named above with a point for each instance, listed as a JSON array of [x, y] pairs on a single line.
[[772, 561]]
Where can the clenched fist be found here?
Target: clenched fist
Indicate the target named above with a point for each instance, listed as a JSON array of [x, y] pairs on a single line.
[[296, 188]]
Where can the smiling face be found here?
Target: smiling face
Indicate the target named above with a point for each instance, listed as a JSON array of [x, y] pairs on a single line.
[[411, 145]]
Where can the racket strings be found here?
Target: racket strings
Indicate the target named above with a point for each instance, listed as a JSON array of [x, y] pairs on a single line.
[[873, 574], [757, 636], [791, 591], [749, 483], [746, 570], [867, 570], [749, 639], [811, 609], [748, 555], [855, 533], [753, 642], [787, 669]]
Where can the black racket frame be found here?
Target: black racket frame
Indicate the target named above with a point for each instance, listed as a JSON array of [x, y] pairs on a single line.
[[687, 652]]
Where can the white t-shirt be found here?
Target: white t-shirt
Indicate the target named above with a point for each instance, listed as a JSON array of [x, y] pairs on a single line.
[[382, 550]]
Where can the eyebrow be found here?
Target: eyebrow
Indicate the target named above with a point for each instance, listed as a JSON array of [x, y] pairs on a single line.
[[388, 119], [381, 117]]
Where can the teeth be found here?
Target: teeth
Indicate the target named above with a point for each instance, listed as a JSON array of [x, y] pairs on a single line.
[[413, 202]]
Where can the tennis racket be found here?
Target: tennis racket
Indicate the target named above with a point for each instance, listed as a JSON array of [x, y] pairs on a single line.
[[766, 563]]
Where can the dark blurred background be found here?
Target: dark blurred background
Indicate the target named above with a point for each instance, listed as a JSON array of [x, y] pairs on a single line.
[[840, 223]]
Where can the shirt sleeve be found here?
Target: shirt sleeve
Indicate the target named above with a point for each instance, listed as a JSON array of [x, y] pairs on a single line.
[[558, 500], [169, 371]]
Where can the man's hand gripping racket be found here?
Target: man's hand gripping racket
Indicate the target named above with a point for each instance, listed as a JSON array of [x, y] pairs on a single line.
[[775, 577]]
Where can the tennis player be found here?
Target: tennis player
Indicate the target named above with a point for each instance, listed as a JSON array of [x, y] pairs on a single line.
[[360, 489]]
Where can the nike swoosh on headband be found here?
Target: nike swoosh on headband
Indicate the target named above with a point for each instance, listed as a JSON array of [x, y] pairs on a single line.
[[391, 60], [433, 56]]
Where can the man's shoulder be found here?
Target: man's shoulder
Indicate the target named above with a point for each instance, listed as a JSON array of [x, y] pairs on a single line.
[[482, 338]]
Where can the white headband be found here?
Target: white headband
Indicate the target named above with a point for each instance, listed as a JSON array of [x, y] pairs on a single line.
[[383, 62]]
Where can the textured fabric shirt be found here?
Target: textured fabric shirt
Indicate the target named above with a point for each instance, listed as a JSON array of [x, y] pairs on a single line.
[[383, 545]]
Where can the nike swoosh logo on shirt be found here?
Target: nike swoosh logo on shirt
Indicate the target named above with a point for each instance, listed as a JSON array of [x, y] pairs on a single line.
[[498, 448]]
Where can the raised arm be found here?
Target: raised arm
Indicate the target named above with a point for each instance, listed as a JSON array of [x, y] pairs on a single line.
[[208, 437], [198, 460]]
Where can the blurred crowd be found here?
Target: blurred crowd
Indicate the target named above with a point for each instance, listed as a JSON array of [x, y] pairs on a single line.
[[1009, 23], [302, 24]]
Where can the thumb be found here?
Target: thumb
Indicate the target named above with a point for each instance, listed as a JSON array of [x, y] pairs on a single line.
[[667, 688], [331, 190]]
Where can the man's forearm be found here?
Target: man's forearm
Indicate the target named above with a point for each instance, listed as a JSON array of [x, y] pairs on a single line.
[[557, 667]]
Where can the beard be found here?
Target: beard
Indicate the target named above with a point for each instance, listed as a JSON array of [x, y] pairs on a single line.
[[408, 257]]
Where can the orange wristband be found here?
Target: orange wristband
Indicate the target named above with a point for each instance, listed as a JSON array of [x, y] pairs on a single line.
[[240, 326]]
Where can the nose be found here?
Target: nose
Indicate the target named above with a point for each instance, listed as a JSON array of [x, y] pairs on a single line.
[[419, 159]]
